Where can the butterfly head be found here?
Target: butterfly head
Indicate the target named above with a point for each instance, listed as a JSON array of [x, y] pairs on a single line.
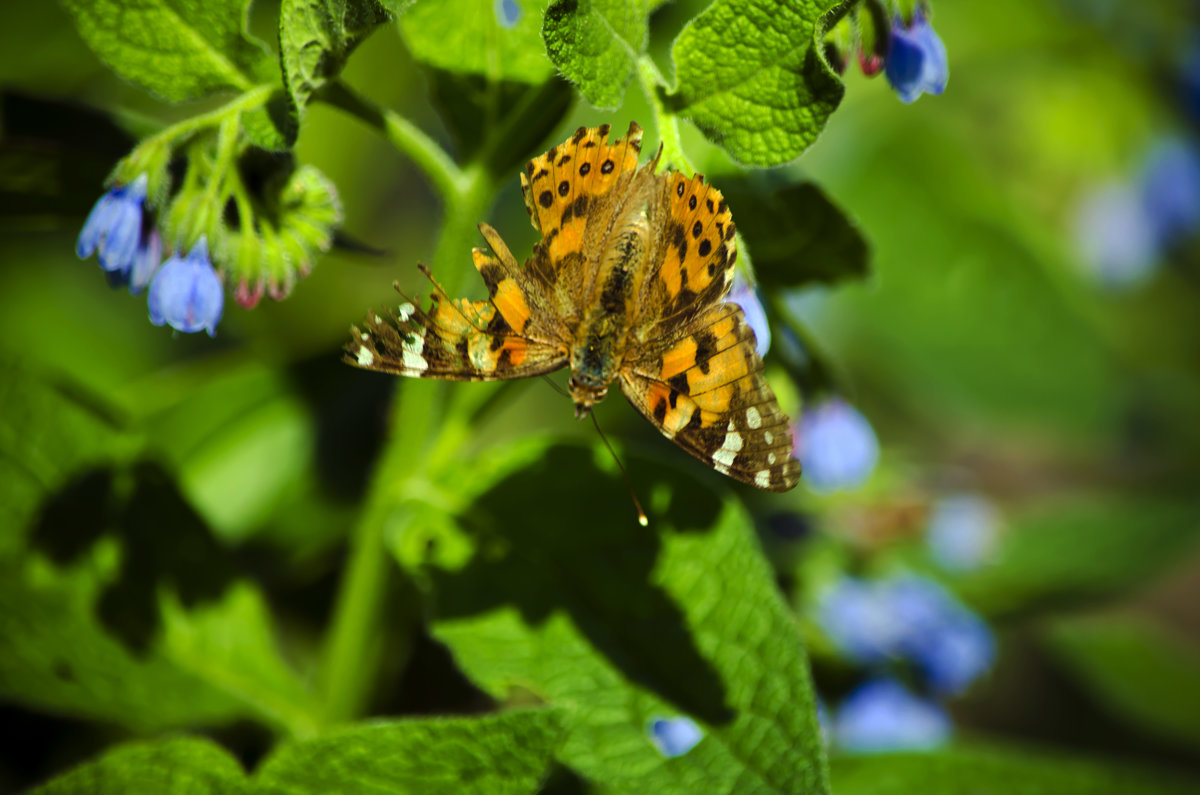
[[586, 393]]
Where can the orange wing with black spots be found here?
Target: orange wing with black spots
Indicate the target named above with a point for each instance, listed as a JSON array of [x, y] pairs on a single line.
[[692, 269], [704, 389], [570, 194]]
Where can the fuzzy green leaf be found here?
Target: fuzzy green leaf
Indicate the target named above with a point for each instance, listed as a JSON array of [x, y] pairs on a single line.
[[630, 624], [795, 234], [176, 49], [596, 44], [317, 36], [752, 76], [182, 766], [465, 36], [996, 771], [1136, 669], [489, 755]]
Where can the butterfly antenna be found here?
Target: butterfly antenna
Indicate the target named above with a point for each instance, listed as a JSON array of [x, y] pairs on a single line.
[[555, 386], [474, 322], [642, 520]]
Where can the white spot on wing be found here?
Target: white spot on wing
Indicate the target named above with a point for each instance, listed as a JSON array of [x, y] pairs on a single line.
[[365, 357], [729, 450], [406, 311], [753, 418], [771, 458], [768, 437], [763, 479], [378, 320]]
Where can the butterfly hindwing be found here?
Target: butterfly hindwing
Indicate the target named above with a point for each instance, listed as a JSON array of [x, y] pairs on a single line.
[[705, 390], [456, 340]]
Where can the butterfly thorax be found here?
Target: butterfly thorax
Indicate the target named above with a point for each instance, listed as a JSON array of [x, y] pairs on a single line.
[[601, 338]]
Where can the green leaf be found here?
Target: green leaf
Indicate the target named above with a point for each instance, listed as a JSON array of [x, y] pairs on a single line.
[[315, 39], [1138, 670], [1084, 547], [624, 625], [983, 770], [492, 754], [182, 765], [466, 37], [752, 76], [596, 44], [795, 234], [176, 49]]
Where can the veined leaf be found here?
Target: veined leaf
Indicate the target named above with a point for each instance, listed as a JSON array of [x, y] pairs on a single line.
[[180, 765], [596, 44], [466, 36]]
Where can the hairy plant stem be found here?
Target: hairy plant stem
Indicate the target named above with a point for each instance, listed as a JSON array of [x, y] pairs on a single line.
[[353, 653]]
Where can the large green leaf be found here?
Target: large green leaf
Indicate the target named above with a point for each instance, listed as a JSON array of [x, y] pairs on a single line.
[[465, 36], [488, 755], [752, 76], [626, 624], [596, 44], [181, 766], [1137, 670], [996, 771], [796, 235], [317, 36], [177, 49]]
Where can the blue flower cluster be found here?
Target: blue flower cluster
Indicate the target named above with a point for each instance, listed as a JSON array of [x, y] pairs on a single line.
[[902, 619], [1124, 228], [185, 293], [963, 532], [916, 60], [836, 447]]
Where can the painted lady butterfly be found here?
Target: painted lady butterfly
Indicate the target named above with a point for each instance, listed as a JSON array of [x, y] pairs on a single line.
[[627, 283]]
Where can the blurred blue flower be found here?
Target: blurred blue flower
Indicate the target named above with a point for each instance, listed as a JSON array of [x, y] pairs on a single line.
[[881, 715], [114, 228], [674, 736], [836, 446], [907, 618], [507, 13], [1116, 236], [745, 296], [187, 293], [916, 60], [1170, 190], [963, 530]]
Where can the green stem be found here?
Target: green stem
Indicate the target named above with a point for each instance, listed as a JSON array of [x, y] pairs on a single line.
[[667, 123], [353, 651], [254, 98], [401, 133]]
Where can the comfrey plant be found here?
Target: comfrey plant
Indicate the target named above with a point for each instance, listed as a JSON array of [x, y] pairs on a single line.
[[657, 659]]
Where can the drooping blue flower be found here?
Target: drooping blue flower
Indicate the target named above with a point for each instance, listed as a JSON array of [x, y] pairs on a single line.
[[907, 618], [836, 446], [186, 293], [881, 715], [916, 60], [745, 296], [1116, 237], [114, 229], [507, 13], [674, 736], [963, 531], [1170, 190]]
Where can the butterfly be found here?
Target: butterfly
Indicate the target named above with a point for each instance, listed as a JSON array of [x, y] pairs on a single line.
[[627, 284]]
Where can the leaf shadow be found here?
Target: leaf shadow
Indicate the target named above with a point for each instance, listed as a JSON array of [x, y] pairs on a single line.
[[560, 536], [163, 542]]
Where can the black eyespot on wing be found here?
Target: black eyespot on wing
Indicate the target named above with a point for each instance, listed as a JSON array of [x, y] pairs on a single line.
[[546, 199], [564, 188], [705, 247], [679, 189], [584, 169], [697, 229], [692, 202], [607, 166], [582, 131]]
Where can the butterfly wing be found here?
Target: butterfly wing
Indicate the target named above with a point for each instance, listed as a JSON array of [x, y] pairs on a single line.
[[455, 340], [705, 390]]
